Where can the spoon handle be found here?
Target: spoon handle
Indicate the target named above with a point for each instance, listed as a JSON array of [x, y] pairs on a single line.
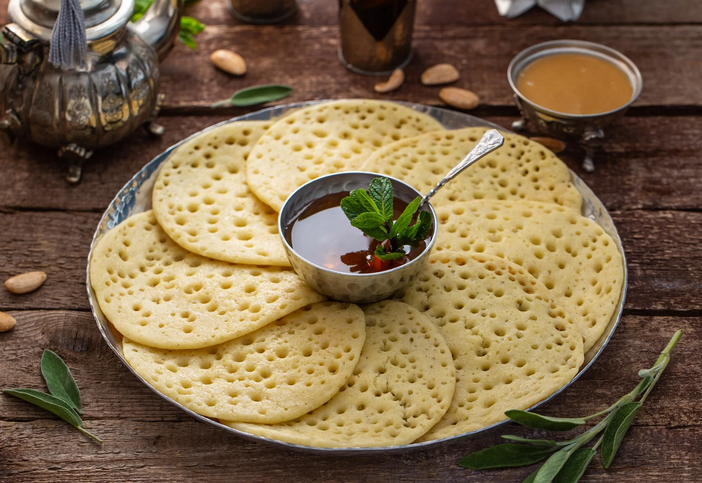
[[490, 141]]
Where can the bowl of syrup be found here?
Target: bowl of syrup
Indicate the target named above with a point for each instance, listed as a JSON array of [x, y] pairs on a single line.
[[335, 258], [573, 88]]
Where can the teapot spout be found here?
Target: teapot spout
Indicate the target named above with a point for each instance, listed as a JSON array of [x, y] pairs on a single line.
[[160, 25]]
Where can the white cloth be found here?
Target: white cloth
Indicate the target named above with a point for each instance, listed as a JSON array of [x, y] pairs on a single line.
[[565, 10]]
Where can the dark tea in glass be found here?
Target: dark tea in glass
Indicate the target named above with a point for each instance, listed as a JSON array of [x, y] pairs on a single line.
[[262, 11]]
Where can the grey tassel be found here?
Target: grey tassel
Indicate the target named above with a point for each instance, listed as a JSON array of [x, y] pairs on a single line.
[[68, 43]]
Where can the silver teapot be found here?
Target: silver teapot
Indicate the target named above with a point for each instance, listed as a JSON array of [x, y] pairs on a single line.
[[78, 110]]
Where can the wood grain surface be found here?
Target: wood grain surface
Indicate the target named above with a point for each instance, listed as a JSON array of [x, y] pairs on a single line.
[[648, 174]]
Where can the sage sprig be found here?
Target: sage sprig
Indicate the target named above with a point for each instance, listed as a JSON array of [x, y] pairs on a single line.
[[256, 95], [64, 398], [566, 461]]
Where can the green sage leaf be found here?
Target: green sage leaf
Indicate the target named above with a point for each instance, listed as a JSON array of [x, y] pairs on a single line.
[[46, 401], [505, 456], [59, 380], [576, 465], [385, 256], [405, 218], [537, 442], [531, 477], [537, 421], [553, 465], [616, 430], [256, 95], [380, 191]]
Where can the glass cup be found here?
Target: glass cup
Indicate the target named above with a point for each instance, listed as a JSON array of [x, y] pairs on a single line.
[[262, 11], [376, 35]]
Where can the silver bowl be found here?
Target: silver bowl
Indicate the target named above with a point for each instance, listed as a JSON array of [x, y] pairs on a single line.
[[587, 127], [359, 288]]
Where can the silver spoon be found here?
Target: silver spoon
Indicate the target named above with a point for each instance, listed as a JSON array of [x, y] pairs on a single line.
[[490, 141]]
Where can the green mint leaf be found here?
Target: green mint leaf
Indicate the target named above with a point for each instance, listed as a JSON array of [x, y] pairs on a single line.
[[380, 190], [352, 207], [191, 25], [553, 465], [537, 421], [505, 456], [385, 256], [256, 95], [616, 430], [188, 40], [140, 8], [59, 380], [370, 221], [405, 218], [417, 232], [576, 465], [366, 201], [538, 442]]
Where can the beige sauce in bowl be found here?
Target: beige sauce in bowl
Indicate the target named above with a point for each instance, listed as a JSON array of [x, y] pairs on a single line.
[[575, 84]]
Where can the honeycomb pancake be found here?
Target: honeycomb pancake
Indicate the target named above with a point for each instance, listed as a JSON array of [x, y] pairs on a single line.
[[203, 203], [511, 346], [156, 293], [274, 374], [402, 386], [323, 139], [571, 255], [520, 169]]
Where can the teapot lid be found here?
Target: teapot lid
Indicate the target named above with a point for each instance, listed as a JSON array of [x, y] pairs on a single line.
[[102, 17]]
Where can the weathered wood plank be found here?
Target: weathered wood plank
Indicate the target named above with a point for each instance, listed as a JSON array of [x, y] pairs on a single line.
[[664, 250], [306, 58], [635, 170], [146, 439]]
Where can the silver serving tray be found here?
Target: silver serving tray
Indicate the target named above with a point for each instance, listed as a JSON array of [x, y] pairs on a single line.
[[135, 197]]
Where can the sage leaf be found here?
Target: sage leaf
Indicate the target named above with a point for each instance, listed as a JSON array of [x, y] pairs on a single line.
[[59, 380], [537, 442], [380, 190], [576, 465], [537, 421], [368, 221], [405, 218], [553, 465], [256, 95], [616, 430], [385, 256], [505, 456], [531, 477]]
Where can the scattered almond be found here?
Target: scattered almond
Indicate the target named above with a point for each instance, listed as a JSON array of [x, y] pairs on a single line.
[[26, 282], [440, 74], [394, 82], [229, 61], [460, 98], [555, 145], [7, 322]]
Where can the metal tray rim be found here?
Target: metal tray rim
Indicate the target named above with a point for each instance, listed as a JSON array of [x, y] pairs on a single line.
[[127, 194]]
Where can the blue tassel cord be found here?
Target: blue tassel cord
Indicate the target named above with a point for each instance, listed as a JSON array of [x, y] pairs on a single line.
[[68, 42]]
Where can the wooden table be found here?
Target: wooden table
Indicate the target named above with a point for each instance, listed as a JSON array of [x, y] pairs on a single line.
[[649, 175]]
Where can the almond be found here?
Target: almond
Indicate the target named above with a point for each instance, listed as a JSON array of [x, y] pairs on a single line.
[[394, 82], [555, 145], [440, 74], [229, 61], [7, 322], [460, 98], [26, 282]]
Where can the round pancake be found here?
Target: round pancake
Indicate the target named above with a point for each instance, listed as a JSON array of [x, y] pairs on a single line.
[[158, 294], [324, 139], [202, 201], [570, 254], [402, 386], [520, 169], [511, 346], [274, 374]]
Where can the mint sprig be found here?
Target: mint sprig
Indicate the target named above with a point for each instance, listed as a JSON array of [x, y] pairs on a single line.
[[372, 212], [566, 461], [64, 400]]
